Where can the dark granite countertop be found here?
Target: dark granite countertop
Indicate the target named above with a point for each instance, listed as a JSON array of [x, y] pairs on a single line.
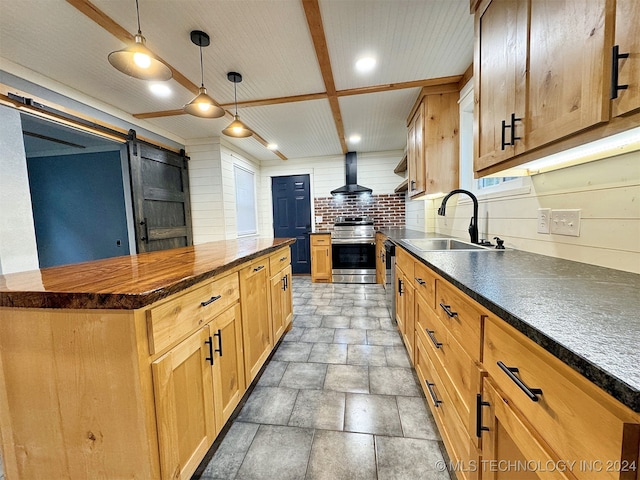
[[585, 315]]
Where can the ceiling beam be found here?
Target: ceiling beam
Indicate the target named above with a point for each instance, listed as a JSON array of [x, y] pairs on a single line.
[[111, 26], [428, 82], [314, 20]]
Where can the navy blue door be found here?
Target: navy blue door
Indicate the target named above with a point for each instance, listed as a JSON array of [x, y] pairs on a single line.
[[292, 217]]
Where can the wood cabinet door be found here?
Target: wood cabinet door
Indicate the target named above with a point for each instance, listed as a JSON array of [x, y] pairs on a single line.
[[568, 57], [628, 41], [256, 316], [381, 264], [278, 288], [408, 333], [500, 80], [415, 158], [228, 365], [441, 142], [511, 442], [287, 298], [401, 288], [183, 387], [321, 262]]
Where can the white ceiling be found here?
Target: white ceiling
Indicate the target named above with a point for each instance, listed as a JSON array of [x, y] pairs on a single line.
[[269, 43]]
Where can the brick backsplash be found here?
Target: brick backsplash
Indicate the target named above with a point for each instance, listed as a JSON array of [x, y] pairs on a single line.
[[387, 210]]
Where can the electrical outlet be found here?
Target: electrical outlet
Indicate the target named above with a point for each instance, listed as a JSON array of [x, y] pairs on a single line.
[[565, 222], [544, 220], [318, 218]]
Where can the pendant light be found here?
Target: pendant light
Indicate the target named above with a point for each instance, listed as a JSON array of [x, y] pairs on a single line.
[[236, 128], [138, 61], [203, 105]]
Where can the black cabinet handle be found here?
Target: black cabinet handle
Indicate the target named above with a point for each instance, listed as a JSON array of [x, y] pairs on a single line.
[[532, 393], [513, 129], [448, 311], [257, 269], [503, 135], [400, 291], [413, 182], [210, 357], [283, 259], [433, 338], [284, 283], [436, 402], [479, 404], [219, 349], [420, 281], [211, 300], [615, 65]]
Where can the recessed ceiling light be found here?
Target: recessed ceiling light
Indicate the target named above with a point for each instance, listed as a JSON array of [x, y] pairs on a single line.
[[365, 64], [160, 89], [272, 146], [355, 138]]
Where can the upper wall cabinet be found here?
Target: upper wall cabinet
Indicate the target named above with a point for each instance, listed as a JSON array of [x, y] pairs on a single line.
[[543, 76], [432, 144], [625, 68]]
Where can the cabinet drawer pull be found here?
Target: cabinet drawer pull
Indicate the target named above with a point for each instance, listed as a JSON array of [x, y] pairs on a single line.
[[420, 281], [479, 404], [219, 349], [433, 338], [532, 393], [436, 402], [257, 269], [210, 357], [400, 291], [211, 300], [283, 259], [448, 311], [615, 65]]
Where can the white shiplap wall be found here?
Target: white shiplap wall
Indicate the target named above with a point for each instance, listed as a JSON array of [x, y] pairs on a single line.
[[375, 170], [607, 192], [18, 251]]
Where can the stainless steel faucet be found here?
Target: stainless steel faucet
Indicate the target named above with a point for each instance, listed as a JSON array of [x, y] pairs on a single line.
[[473, 226]]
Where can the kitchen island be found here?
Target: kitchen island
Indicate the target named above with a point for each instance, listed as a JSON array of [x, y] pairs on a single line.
[[523, 357], [115, 368]]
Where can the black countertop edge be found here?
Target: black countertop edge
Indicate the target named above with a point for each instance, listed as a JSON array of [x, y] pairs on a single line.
[[122, 301], [610, 383]]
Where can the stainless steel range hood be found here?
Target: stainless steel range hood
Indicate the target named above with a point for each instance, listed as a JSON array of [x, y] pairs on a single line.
[[351, 170]]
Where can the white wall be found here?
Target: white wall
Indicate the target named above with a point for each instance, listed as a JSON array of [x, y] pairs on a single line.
[[607, 192], [18, 251]]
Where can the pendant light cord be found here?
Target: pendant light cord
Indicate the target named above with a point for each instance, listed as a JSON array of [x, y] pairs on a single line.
[[235, 96], [138, 15], [201, 66]]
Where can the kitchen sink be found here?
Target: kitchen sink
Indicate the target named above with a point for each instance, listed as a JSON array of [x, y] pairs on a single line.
[[428, 244]]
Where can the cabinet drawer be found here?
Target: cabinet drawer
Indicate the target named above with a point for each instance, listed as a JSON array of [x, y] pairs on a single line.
[[322, 239], [424, 279], [458, 372], [461, 317], [279, 260], [183, 313], [405, 261], [574, 417], [454, 435]]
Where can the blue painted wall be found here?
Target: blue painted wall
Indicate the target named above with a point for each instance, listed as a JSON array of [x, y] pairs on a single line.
[[78, 207]]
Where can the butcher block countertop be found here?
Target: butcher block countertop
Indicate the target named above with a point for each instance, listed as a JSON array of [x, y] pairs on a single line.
[[132, 281]]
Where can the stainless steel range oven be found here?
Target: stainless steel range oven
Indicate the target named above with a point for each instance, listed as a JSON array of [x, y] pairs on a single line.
[[353, 246]]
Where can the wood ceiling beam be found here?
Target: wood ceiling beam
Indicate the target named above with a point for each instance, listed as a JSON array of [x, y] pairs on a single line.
[[115, 29], [429, 82], [314, 20]]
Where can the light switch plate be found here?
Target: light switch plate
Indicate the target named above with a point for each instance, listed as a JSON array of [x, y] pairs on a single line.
[[318, 218], [544, 220], [565, 222]]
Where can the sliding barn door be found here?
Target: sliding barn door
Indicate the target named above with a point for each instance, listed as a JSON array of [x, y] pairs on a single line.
[[160, 195]]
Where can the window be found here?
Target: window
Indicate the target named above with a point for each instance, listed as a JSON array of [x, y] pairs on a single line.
[[245, 201]]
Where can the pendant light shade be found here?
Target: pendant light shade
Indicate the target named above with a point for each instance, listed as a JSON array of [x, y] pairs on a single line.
[[138, 61], [203, 105], [236, 128]]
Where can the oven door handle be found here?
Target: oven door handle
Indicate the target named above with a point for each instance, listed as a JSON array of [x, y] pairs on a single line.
[[351, 241]]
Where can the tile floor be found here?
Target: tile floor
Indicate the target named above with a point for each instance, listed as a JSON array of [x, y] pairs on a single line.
[[337, 401]]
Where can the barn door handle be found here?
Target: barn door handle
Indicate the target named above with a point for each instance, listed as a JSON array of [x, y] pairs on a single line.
[[219, 335], [615, 66], [145, 235]]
